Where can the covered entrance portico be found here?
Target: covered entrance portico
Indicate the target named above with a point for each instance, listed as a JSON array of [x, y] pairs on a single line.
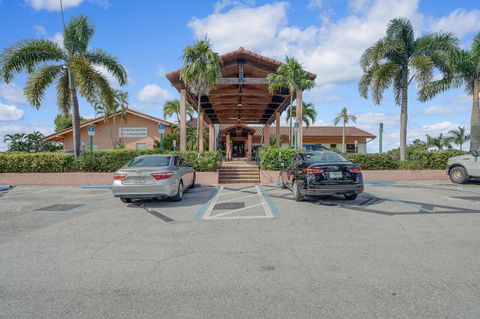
[[241, 96], [237, 141]]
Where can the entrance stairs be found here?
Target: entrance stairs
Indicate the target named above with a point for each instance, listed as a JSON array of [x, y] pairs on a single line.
[[239, 172]]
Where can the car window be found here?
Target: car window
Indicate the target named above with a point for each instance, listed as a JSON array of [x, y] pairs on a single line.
[[149, 161], [324, 157], [314, 148]]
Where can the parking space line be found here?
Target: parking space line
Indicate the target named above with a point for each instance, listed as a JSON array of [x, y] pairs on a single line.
[[266, 207], [404, 203], [236, 198], [236, 210], [212, 203], [200, 212], [271, 205]]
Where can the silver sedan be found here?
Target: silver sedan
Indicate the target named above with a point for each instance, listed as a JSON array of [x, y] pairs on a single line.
[[153, 176]]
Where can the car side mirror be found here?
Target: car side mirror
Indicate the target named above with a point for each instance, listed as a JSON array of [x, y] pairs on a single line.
[[475, 153]]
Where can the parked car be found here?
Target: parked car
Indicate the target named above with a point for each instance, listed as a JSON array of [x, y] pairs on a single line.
[[153, 176], [321, 173], [461, 168], [308, 148]]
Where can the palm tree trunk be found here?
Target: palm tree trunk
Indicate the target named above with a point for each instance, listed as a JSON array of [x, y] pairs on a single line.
[[75, 114], [475, 120], [403, 123], [344, 149], [198, 122], [290, 125]]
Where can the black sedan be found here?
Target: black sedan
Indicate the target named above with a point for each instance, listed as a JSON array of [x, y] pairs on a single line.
[[321, 173]]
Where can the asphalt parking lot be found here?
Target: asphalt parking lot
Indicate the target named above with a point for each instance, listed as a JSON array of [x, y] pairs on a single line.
[[400, 250]]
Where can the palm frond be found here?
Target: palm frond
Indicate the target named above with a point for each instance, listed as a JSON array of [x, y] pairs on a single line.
[[63, 94], [102, 58], [77, 35], [26, 55], [38, 82]]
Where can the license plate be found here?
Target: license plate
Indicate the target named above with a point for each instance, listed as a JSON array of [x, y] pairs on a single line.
[[139, 180], [336, 175]]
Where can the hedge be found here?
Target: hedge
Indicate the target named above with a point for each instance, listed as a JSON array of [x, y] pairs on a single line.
[[270, 159], [95, 161]]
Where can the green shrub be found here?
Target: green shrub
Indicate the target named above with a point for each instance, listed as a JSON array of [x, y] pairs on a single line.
[[271, 157], [48, 162], [434, 159], [95, 161], [374, 161]]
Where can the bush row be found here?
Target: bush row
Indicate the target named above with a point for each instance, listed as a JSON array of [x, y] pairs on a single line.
[[271, 157], [96, 161]]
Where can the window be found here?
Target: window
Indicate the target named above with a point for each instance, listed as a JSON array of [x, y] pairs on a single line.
[[140, 146], [150, 161], [350, 148], [324, 157], [333, 146]]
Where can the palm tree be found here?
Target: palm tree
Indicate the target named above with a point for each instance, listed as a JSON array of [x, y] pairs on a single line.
[[119, 107], [201, 69], [73, 68], [439, 141], [172, 107], [466, 66], [345, 117], [399, 58], [458, 136], [292, 77], [309, 114]]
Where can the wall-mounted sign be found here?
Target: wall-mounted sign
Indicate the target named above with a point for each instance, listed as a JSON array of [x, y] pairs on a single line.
[[132, 132]]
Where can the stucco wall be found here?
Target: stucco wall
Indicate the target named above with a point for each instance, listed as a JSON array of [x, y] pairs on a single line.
[[102, 140]]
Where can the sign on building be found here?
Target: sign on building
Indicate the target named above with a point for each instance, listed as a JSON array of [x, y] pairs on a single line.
[[132, 132]]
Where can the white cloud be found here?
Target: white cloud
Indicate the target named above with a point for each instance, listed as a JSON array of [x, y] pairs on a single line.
[[440, 127], [444, 110], [253, 28], [52, 5], [460, 21], [58, 39], [10, 113], [222, 4], [40, 30], [152, 94], [315, 4], [12, 94]]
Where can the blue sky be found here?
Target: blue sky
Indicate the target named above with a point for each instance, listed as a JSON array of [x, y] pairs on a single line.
[[327, 36]]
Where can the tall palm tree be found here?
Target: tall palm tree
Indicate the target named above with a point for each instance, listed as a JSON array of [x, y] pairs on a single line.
[[459, 136], [344, 117], [200, 71], [291, 76], [71, 67], [172, 107], [466, 66], [309, 114], [399, 58]]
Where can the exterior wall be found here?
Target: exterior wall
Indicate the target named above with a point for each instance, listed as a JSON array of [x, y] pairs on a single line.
[[102, 140]]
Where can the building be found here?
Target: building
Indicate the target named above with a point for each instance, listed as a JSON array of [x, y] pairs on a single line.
[[135, 130]]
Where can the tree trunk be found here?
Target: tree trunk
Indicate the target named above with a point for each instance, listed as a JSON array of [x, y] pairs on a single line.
[[290, 135], [75, 114], [403, 123], [198, 121], [475, 120], [344, 148]]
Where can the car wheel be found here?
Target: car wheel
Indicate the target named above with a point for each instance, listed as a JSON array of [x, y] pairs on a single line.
[[350, 196], [125, 200], [193, 181], [297, 195], [280, 182], [459, 175], [179, 195]]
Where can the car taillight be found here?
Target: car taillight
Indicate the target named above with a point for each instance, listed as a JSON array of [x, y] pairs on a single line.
[[119, 177], [312, 170], [355, 169], [162, 175]]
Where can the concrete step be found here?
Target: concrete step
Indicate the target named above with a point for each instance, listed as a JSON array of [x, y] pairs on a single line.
[[239, 181]]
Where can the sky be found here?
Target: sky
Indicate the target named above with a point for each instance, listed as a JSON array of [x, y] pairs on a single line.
[[326, 36]]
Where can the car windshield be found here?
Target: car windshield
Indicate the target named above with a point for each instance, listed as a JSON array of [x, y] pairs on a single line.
[[314, 148], [149, 161], [324, 157]]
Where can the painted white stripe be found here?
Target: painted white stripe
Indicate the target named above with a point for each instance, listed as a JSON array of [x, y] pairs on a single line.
[[266, 207], [242, 217], [212, 204], [236, 198], [236, 210]]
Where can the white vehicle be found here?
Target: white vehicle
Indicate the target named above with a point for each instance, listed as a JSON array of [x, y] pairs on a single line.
[[461, 168]]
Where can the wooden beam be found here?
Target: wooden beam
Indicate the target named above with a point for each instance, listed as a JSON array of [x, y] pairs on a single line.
[[226, 81]]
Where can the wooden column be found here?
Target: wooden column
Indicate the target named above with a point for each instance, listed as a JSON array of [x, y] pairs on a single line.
[[227, 146], [266, 135], [277, 129], [249, 147], [183, 120], [211, 138], [299, 120], [200, 134]]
